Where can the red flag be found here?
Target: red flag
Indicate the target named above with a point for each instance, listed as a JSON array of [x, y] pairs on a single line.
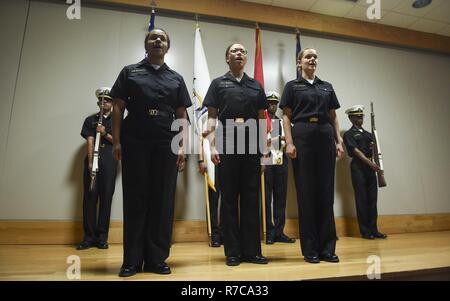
[[258, 72]]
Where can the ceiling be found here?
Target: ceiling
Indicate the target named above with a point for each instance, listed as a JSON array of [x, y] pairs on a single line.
[[434, 18]]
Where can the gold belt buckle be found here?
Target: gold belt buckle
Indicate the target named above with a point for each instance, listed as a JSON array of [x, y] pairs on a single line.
[[239, 120], [152, 112], [313, 119]]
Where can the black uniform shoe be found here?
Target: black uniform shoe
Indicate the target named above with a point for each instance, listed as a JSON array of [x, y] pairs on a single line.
[[215, 241], [379, 235], [285, 238], [159, 268], [312, 259], [102, 245], [255, 259], [329, 258], [128, 271], [85, 245], [269, 240], [368, 236], [233, 261]]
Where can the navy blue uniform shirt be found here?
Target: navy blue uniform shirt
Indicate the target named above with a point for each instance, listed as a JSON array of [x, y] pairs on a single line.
[[361, 140], [309, 100], [234, 99], [89, 128], [143, 88]]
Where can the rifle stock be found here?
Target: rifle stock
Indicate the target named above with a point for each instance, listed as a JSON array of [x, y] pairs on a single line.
[[377, 155]]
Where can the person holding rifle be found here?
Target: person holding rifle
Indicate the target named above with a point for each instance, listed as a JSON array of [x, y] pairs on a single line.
[[99, 184], [276, 177], [359, 144]]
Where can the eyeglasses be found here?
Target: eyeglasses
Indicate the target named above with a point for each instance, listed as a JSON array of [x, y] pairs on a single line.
[[236, 50]]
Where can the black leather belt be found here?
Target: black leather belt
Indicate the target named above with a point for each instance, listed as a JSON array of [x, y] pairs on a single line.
[[155, 112], [314, 120]]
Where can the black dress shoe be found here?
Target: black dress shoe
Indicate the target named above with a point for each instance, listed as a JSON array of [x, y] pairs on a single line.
[[128, 271], [285, 238], [379, 235], [329, 258], [215, 241], [368, 236], [312, 259], [269, 241], [258, 259], [233, 261], [159, 268], [85, 245], [102, 245]]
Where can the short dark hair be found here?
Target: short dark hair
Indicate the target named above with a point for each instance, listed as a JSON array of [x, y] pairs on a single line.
[[228, 49], [147, 36]]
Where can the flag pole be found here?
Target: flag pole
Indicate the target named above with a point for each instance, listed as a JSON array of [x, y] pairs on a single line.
[[208, 215], [258, 74], [263, 206]]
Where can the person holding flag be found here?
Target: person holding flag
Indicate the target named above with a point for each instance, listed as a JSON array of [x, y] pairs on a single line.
[[205, 165], [235, 99]]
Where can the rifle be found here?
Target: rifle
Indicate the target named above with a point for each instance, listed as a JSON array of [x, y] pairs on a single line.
[[377, 157], [96, 155]]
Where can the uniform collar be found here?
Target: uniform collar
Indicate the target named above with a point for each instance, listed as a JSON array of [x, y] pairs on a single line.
[[356, 129], [98, 115], [146, 64], [317, 80], [230, 76]]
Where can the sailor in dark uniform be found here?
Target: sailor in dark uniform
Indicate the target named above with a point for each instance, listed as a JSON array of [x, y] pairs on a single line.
[[96, 225], [276, 177], [154, 96], [313, 142], [359, 144], [236, 98]]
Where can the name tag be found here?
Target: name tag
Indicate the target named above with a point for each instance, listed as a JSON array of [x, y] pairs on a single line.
[[226, 84]]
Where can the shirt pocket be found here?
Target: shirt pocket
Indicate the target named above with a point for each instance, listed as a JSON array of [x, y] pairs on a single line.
[[167, 93], [300, 95], [252, 92], [325, 95], [140, 86]]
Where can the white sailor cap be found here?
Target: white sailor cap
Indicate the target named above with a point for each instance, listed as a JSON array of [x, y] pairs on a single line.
[[355, 110], [103, 92], [272, 95]]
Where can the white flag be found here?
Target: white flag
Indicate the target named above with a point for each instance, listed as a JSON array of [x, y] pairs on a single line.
[[201, 84]]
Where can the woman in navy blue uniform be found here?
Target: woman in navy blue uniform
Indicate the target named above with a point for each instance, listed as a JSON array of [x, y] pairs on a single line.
[[240, 99], [154, 96], [313, 142]]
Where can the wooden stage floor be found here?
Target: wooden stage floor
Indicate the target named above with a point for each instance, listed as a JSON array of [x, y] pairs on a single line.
[[197, 261]]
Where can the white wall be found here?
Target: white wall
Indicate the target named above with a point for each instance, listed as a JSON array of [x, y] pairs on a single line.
[[64, 61]]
